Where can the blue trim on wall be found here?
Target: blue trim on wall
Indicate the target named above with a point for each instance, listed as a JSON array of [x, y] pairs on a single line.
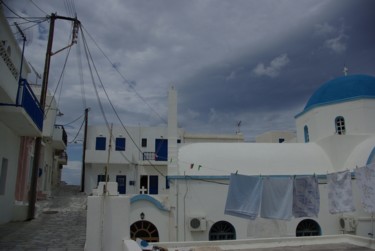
[[371, 157], [148, 198]]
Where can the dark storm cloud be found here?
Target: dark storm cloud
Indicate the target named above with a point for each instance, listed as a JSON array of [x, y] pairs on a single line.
[[282, 76], [254, 61]]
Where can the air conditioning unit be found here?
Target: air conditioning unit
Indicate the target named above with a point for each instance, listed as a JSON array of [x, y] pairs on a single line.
[[348, 224], [197, 224]]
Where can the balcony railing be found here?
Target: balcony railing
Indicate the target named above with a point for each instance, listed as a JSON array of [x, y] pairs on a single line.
[[149, 156], [153, 156], [31, 104]]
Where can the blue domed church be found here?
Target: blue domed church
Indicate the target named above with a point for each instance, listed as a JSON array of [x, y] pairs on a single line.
[[335, 136], [321, 182]]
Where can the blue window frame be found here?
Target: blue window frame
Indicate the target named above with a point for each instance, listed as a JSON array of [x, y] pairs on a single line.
[[306, 132], [100, 143], [120, 144]]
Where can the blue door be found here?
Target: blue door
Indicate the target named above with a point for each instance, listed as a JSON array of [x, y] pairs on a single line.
[[154, 184], [121, 184], [161, 149]]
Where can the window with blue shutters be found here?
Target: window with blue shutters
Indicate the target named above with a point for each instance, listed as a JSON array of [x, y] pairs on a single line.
[[120, 144], [100, 143]]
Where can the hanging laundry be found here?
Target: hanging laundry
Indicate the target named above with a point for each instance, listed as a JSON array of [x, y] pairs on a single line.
[[244, 195], [306, 196], [277, 198], [340, 194], [365, 179]]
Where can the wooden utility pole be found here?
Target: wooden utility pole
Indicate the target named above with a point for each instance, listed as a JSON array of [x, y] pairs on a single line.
[[84, 151], [43, 96]]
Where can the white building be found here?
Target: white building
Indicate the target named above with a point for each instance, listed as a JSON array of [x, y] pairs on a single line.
[[21, 121], [335, 132]]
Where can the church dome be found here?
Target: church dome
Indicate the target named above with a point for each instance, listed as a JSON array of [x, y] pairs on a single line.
[[342, 89]]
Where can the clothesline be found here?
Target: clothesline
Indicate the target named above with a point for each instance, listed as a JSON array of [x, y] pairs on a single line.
[[298, 196]]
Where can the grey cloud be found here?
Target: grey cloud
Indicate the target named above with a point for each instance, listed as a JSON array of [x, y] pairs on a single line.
[[274, 68]]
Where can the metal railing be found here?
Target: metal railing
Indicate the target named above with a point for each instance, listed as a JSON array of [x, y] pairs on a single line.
[[31, 104]]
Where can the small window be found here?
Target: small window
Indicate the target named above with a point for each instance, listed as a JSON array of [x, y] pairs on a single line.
[[144, 142], [120, 144], [222, 230], [340, 125], [144, 230], [306, 132], [100, 143], [3, 175], [101, 178], [149, 184], [308, 228]]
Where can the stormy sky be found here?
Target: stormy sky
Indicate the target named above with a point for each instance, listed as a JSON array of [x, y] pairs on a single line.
[[254, 61]]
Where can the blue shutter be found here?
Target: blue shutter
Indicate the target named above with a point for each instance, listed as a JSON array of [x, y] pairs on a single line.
[[120, 144], [100, 143], [154, 184], [161, 149]]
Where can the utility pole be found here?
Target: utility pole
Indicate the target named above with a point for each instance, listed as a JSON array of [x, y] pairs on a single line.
[[84, 151], [43, 96]]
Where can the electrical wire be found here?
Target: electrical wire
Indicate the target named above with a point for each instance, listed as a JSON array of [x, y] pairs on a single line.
[[79, 130], [38, 7], [124, 78], [24, 18], [112, 106], [74, 120]]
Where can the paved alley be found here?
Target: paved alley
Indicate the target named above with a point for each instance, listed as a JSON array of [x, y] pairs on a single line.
[[60, 224]]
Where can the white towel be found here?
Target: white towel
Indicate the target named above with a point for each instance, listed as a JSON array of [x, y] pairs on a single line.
[[306, 197], [277, 198], [340, 194], [244, 194], [365, 179]]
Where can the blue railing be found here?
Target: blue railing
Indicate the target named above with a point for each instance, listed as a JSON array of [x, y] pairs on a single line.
[[31, 104]]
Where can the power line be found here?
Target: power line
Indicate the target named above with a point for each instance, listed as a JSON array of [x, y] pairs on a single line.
[[24, 18], [111, 104], [38, 7], [124, 78]]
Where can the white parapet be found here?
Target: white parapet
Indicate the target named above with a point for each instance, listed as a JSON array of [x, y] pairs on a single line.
[[107, 222]]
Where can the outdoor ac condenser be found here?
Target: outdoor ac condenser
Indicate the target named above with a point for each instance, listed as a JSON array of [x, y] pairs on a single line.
[[348, 224], [197, 224]]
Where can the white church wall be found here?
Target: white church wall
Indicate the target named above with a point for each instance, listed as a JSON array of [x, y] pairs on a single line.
[[207, 200], [8, 172], [359, 119]]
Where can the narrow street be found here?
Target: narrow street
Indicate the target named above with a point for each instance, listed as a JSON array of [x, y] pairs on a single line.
[[60, 224]]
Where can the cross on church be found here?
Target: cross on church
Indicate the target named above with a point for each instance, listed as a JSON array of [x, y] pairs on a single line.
[[143, 190], [345, 71]]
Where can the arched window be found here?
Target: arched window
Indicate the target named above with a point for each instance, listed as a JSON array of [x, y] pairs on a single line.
[[340, 125], [308, 227], [306, 133], [144, 230], [222, 230]]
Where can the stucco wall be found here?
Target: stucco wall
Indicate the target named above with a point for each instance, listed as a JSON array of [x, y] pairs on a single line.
[[10, 151]]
